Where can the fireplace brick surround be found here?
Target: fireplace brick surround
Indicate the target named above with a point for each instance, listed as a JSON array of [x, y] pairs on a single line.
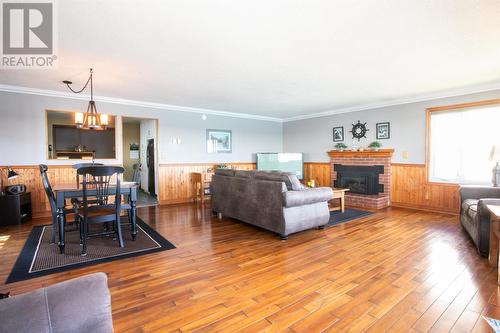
[[369, 158]]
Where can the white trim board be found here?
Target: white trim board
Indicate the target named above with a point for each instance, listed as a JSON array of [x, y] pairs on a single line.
[[399, 101], [113, 100], [170, 107]]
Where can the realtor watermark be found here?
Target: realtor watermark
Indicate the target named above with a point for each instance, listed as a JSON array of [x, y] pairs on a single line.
[[28, 34]]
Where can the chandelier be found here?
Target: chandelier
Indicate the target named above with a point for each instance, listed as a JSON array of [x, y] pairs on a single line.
[[90, 119]]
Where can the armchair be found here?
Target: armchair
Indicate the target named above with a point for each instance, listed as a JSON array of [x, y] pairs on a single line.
[[475, 217]]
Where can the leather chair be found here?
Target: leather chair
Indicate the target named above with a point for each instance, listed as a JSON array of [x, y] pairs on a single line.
[[474, 215]]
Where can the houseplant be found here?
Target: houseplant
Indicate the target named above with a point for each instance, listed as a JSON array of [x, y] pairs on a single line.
[[375, 145], [340, 146]]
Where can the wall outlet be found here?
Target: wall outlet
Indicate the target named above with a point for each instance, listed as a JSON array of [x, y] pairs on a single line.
[[405, 155]]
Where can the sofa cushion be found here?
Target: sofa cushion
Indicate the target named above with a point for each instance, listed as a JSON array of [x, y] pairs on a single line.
[[307, 196], [224, 172], [289, 178]]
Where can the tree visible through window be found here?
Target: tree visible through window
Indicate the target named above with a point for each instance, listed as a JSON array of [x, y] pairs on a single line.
[[460, 144]]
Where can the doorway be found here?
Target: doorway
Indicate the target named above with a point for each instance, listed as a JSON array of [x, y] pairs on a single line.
[[140, 157]]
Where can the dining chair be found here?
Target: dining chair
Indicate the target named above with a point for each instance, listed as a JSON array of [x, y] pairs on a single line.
[[81, 165], [52, 201], [97, 185]]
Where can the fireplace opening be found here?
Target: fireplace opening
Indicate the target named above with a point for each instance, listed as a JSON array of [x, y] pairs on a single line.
[[359, 178]]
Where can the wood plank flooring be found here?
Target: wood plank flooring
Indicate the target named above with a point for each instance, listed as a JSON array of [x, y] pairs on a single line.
[[397, 270]]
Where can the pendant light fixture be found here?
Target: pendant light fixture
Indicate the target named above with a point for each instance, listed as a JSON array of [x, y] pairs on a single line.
[[90, 119]]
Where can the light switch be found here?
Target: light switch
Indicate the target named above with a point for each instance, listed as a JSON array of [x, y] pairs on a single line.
[[405, 155]]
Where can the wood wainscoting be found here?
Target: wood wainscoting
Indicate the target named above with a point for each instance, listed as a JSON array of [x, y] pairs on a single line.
[[409, 189], [30, 176], [176, 184], [409, 185]]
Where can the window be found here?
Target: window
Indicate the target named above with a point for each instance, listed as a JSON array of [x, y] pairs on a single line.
[[461, 142]]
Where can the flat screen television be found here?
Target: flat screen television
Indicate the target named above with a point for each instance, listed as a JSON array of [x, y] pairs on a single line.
[[289, 162]]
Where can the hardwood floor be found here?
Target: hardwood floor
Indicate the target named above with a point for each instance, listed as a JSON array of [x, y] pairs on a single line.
[[397, 270]]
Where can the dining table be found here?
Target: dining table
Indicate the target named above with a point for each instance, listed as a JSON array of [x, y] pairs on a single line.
[[63, 192]]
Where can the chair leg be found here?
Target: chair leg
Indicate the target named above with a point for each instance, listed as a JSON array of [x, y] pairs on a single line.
[[81, 232], [119, 230], [84, 238], [54, 229]]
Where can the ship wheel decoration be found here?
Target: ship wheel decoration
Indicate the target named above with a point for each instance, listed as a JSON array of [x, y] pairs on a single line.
[[359, 130]]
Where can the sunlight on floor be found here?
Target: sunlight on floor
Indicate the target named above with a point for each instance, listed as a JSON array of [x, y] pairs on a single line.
[[3, 240]]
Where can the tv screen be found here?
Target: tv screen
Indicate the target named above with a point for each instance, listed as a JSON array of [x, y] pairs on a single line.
[[289, 162]]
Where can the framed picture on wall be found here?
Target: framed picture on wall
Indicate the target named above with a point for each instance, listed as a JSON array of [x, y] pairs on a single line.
[[219, 141], [383, 131], [338, 134]]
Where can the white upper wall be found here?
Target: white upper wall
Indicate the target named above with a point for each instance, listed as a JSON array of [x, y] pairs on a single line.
[[23, 131], [278, 58], [314, 136]]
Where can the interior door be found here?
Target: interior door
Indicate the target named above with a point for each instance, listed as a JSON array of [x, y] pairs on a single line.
[[150, 160]]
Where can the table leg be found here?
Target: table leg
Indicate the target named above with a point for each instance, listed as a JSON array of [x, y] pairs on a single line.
[[342, 204], [60, 222], [493, 255], [133, 214]]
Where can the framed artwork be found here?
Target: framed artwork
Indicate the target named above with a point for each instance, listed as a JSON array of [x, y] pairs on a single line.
[[338, 134], [383, 131], [219, 141]]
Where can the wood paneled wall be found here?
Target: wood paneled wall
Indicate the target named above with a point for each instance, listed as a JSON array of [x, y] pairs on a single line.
[[409, 185], [176, 184], [30, 176], [410, 188], [320, 172]]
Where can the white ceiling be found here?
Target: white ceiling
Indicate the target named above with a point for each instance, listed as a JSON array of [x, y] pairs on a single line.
[[275, 58]]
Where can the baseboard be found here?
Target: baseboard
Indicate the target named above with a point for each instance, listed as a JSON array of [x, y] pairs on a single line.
[[176, 201], [424, 208]]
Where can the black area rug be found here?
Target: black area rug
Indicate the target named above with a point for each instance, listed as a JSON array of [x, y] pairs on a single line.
[[38, 257], [348, 215]]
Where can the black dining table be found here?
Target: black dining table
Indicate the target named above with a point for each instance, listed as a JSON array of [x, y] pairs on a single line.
[[69, 191]]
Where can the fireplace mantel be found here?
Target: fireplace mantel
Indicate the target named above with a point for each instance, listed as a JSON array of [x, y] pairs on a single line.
[[361, 154]]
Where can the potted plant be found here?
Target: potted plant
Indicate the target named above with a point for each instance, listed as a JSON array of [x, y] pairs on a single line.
[[375, 145], [340, 146]]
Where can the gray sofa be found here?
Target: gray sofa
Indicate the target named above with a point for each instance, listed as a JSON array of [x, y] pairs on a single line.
[[474, 215], [275, 201], [78, 305]]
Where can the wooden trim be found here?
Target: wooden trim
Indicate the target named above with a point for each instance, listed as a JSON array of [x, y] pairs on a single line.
[[464, 105], [445, 108], [203, 163], [423, 208], [365, 153], [317, 163], [76, 159], [420, 165]]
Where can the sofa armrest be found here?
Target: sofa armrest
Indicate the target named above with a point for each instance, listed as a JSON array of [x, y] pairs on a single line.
[[78, 305], [307, 196], [481, 205], [478, 192]]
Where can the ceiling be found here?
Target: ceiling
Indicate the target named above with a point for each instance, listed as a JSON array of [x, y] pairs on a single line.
[[273, 58]]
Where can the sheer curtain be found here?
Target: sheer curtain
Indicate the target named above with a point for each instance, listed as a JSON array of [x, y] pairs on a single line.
[[460, 144]]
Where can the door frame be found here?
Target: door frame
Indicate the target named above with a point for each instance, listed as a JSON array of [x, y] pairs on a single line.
[[157, 147]]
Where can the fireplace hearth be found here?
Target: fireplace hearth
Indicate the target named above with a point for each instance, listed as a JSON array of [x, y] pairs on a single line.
[[362, 179]]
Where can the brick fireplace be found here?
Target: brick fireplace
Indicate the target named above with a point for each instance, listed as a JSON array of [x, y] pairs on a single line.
[[353, 169]]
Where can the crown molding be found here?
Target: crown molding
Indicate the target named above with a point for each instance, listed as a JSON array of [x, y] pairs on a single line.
[[169, 107], [122, 101], [400, 101]]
